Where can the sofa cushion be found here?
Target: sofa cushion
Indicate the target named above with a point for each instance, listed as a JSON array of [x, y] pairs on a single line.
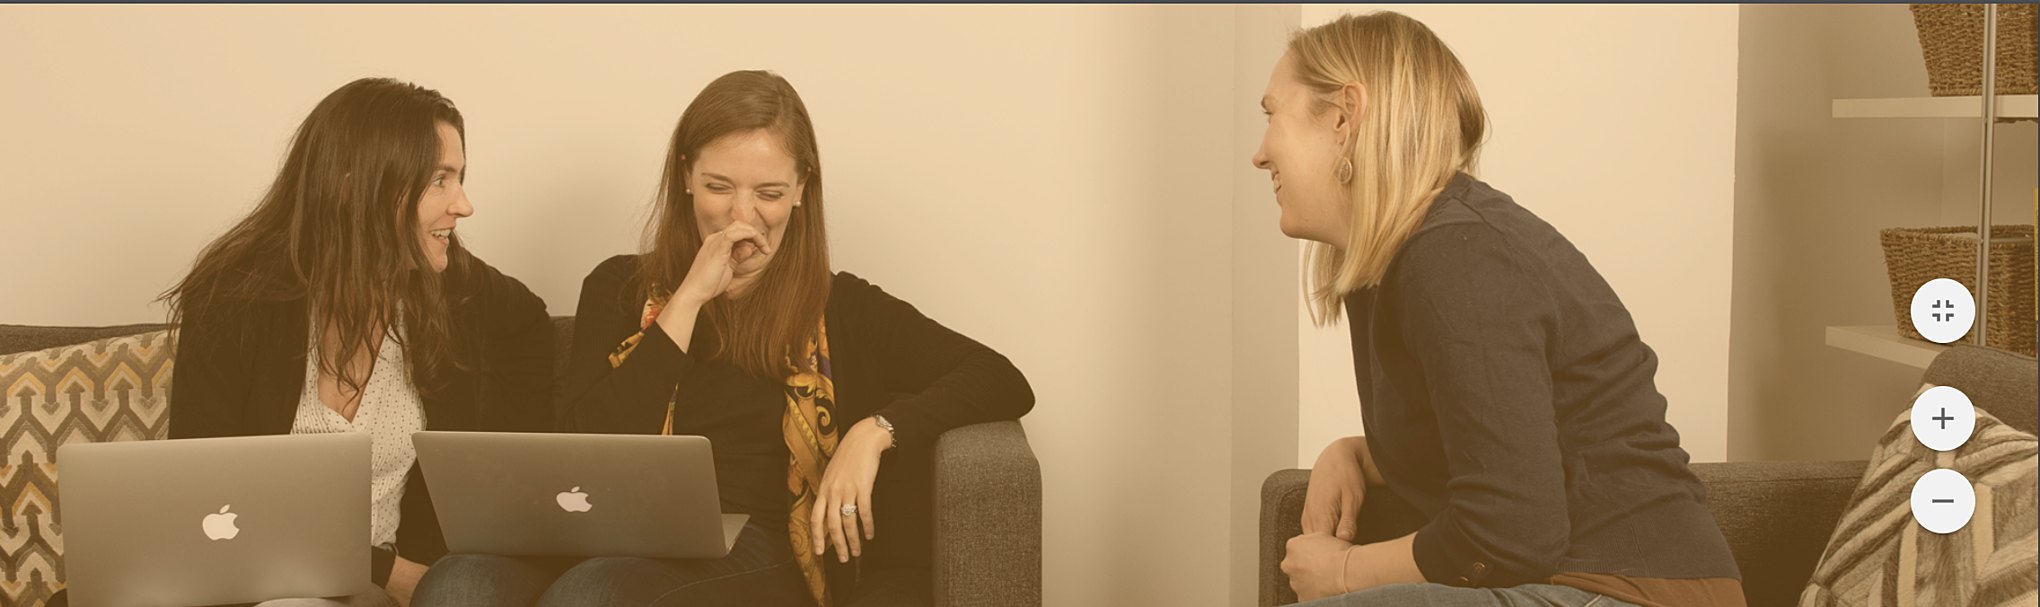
[[1776, 517], [563, 343], [111, 389]]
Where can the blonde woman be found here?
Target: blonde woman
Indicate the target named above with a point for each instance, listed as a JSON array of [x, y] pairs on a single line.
[[1507, 399]]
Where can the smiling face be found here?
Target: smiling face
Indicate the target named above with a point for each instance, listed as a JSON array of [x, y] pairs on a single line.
[[1300, 150], [445, 201], [745, 177]]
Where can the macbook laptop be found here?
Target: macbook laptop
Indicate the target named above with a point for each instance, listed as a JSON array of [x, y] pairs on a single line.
[[214, 520], [581, 495]]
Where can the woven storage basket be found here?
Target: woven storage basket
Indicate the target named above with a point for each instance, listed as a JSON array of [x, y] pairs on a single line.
[[1951, 38], [1913, 256]]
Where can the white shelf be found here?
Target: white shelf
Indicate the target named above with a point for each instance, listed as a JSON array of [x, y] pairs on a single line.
[[2009, 106], [1883, 341]]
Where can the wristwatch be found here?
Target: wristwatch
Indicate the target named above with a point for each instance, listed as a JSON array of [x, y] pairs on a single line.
[[889, 432]]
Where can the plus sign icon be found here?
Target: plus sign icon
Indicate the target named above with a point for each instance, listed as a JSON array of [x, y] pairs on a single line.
[[1943, 311], [1943, 418]]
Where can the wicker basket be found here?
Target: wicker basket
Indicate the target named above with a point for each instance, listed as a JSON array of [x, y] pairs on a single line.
[[1951, 38], [1913, 256]]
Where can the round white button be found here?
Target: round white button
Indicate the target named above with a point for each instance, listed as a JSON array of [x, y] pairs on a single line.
[[1942, 501], [1943, 311], [1943, 418]]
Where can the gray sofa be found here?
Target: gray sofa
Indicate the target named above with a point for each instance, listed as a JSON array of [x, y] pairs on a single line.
[[1777, 515], [987, 491]]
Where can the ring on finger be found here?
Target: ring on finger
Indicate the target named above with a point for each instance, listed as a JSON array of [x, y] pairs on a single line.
[[849, 510]]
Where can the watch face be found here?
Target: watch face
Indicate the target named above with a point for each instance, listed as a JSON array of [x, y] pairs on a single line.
[[887, 426]]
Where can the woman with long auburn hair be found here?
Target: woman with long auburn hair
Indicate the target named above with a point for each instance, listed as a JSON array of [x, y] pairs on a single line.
[[345, 302], [1511, 414], [732, 325]]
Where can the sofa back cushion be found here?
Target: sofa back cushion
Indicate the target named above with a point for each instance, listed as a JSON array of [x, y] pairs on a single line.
[[29, 338], [110, 389], [2003, 383]]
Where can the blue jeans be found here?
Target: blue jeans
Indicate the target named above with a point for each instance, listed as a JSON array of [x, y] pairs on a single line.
[[1440, 595], [758, 572]]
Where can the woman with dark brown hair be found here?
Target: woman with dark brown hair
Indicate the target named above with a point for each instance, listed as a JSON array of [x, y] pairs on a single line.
[[346, 303], [732, 326]]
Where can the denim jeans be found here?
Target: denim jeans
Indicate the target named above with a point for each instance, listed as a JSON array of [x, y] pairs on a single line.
[[758, 572], [1440, 595], [368, 597]]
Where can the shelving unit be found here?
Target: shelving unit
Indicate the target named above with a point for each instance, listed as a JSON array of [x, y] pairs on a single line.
[[2009, 106], [1883, 341]]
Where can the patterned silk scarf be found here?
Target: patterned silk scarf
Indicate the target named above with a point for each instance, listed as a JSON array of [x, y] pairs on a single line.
[[809, 427]]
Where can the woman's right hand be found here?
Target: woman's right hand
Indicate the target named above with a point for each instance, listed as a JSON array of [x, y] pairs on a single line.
[[1338, 484], [714, 268], [716, 264]]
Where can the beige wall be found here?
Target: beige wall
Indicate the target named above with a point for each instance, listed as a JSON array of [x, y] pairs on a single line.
[[1617, 125], [1055, 181], [1265, 297], [1812, 193]]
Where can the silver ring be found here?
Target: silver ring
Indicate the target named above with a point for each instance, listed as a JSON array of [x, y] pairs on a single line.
[[849, 509]]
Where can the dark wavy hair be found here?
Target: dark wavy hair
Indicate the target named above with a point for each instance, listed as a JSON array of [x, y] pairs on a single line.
[[338, 230], [759, 332]]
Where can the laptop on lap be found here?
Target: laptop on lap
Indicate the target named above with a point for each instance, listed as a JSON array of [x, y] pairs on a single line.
[[576, 495], [214, 520]]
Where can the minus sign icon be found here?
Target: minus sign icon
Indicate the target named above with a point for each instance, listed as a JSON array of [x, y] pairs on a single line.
[[1944, 501]]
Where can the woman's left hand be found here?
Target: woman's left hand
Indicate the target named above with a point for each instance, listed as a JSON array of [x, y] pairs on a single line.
[[848, 480], [1313, 562], [1321, 565]]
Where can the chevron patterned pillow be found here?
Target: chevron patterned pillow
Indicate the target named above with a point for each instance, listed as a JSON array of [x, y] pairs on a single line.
[[1878, 555], [114, 389]]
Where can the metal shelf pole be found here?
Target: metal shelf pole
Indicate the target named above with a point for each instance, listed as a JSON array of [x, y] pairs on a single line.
[[1990, 33]]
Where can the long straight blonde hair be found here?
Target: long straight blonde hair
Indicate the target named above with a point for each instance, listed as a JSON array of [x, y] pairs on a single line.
[[1421, 125]]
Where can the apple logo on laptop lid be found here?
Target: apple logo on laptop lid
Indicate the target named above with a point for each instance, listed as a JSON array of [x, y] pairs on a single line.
[[574, 500], [221, 526]]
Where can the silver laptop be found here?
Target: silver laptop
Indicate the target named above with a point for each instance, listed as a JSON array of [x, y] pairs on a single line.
[[584, 495], [214, 520]]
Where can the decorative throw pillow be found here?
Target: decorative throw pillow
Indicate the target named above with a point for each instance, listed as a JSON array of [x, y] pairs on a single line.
[[1879, 556], [114, 389]]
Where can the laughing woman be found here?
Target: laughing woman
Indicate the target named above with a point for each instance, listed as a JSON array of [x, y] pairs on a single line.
[[346, 303], [1506, 395], [733, 326]]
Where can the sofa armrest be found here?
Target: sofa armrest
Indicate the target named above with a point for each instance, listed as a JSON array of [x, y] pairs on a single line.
[[1281, 519], [1778, 517], [987, 518], [1383, 516]]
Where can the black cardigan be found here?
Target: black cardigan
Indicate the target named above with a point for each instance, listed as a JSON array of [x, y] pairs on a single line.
[[240, 368], [1507, 396], [886, 358]]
